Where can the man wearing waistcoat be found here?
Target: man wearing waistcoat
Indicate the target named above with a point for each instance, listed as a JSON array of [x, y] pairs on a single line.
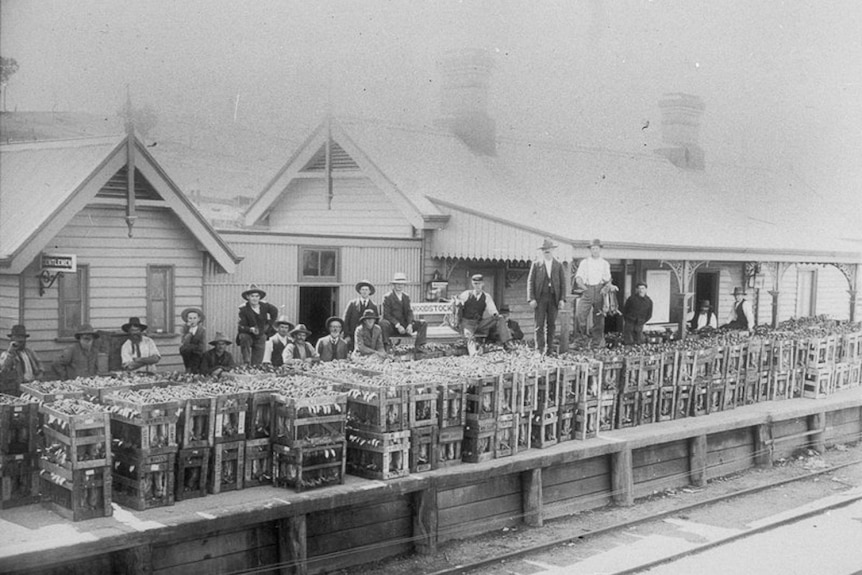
[[479, 314], [275, 345], [741, 314], [356, 308], [705, 317], [333, 346], [299, 348], [546, 286]]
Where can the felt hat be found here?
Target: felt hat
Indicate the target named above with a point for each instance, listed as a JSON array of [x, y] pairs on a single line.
[[705, 303], [282, 320], [400, 278], [548, 245], [253, 289], [641, 284], [18, 331], [185, 313], [738, 291], [333, 319], [365, 283], [504, 309], [86, 329], [477, 278], [300, 329], [596, 243], [134, 321], [219, 336], [368, 314]]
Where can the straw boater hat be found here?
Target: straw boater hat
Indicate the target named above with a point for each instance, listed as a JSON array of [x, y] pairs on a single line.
[[18, 331], [738, 291], [300, 329], [597, 243], [477, 278], [365, 283], [282, 320], [368, 314], [253, 289], [185, 313], [219, 336], [334, 319], [400, 278], [133, 321], [86, 329], [548, 245]]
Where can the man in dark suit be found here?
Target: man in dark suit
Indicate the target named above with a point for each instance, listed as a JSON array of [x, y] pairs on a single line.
[[398, 317], [193, 344], [546, 286], [356, 308], [256, 319], [332, 346]]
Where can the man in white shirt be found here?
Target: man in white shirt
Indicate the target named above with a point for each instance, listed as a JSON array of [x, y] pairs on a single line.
[[704, 317], [139, 352], [479, 314], [741, 315], [275, 345], [594, 279]]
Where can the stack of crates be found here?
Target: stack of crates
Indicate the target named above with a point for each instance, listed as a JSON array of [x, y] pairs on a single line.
[[544, 428], [781, 376], [227, 463], [717, 387], [75, 476], [19, 466], [818, 356], [423, 424], [144, 440], [707, 374], [527, 403], [506, 434], [648, 386], [666, 403], [451, 414], [259, 425], [587, 384], [50, 391], [311, 443], [196, 438], [629, 396], [734, 374], [480, 428], [692, 382]]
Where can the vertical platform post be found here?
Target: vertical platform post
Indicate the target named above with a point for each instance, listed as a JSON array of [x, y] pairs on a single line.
[[134, 560], [425, 521], [697, 460], [817, 423], [622, 477], [531, 494], [763, 446], [292, 545]]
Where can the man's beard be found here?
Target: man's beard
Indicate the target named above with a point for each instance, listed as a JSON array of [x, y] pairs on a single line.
[[135, 337]]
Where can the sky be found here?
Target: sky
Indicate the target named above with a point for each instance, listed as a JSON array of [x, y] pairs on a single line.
[[781, 80]]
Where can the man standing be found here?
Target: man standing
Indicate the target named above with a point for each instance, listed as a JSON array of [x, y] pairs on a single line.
[[255, 325], [369, 336], [479, 314], [193, 343], [79, 359], [741, 314], [594, 279], [19, 364], [217, 360], [356, 308], [272, 352], [139, 352], [546, 286], [333, 346], [398, 317], [637, 311], [705, 317]]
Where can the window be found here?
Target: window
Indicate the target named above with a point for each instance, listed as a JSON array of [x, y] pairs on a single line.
[[319, 264], [74, 301], [160, 299], [806, 293]]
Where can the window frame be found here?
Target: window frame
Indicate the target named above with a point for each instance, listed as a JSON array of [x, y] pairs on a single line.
[[82, 277], [318, 278], [812, 296], [170, 289]]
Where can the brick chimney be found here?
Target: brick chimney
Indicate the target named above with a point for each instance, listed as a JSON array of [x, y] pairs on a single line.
[[680, 130], [466, 77]]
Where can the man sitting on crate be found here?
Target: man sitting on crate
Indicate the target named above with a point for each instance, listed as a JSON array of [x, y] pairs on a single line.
[[217, 360], [79, 359], [479, 314], [139, 352], [356, 308], [369, 336], [333, 346], [398, 320], [18, 364], [275, 345], [741, 314]]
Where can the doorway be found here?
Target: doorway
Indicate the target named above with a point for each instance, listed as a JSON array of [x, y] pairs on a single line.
[[706, 288], [316, 305]]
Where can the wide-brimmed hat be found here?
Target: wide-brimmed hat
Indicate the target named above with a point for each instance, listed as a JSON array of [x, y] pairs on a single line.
[[637, 285], [86, 329], [185, 313], [219, 336], [300, 329], [706, 303], [504, 309], [597, 243], [399, 278], [18, 331], [368, 314], [366, 283], [738, 291], [334, 319], [547, 245], [477, 278], [253, 289], [282, 320], [134, 321]]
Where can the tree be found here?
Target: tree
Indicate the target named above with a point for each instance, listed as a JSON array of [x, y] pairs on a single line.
[[144, 118], [8, 66]]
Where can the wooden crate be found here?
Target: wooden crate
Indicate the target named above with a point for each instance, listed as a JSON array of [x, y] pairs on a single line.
[[478, 445], [608, 410], [19, 480], [683, 401], [587, 419], [310, 430], [380, 409], [76, 441], [226, 468], [261, 415], [818, 383], [613, 372], [309, 467], [506, 438], [422, 406], [566, 422], [85, 494], [143, 483], [783, 356], [820, 352], [647, 405], [780, 385], [258, 463], [582, 381], [192, 472], [523, 424], [717, 394], [669, 363], [632, 373], [507, 398], [448, 447], [665, 406], [422, 452], [734, 361], [98, 394], [19, 423], [695, 366], [51, 391], [230, 412], [750, 392], [700, 397], [842, 376], [732, 389], [527, 393], [482, 398], [543, 428], [196, 425], [378, 455], [856, 373], [125, 409], [651, 371], [627, 407], [548, 384], [451, 404], [144, 439]]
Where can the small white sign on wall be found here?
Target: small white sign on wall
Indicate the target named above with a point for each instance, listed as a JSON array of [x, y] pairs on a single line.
[[659, 292]]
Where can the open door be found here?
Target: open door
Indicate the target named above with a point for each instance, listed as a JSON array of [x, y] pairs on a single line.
[[316, 305], [706, 286]]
